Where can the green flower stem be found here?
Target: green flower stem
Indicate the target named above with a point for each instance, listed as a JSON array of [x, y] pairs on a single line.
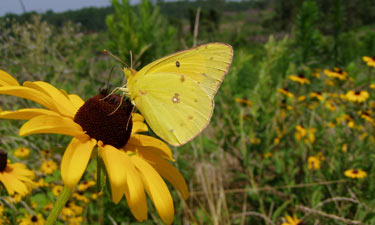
[[59, 205]]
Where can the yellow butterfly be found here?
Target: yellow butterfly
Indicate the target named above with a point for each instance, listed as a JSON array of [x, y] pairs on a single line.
[[175, 93]]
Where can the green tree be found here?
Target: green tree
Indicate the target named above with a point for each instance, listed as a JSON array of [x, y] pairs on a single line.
[[307, 34], [142, 30]]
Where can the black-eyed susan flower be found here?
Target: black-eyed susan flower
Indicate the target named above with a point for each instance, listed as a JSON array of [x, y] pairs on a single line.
[[355, 173], [46, 153], [369, 61], [330, 106], [344, 148], [366, 116], [134, 163], [357, 96], [15, 177], [336, 73], [48, 167], [313, 163], [317, 95], [300, 78], [316, 73], [288, 220], [22, 152], [80, 197], [243, 102], [305, 134], [32, 220], [285, 92], [301, 98], [85, 185], [57, 189]]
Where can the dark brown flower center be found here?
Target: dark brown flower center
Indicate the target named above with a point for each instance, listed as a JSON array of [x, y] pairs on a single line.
[[301, 75], [103, 119], [357, 93], [34, 219], [355, 171], [3, 160]]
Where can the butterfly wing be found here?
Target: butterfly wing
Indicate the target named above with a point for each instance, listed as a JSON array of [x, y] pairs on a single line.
[[175, 93]]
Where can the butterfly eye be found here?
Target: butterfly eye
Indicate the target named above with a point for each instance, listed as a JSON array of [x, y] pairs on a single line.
[[177, 63]]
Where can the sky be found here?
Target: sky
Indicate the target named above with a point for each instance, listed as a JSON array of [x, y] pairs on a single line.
[[15, 6]]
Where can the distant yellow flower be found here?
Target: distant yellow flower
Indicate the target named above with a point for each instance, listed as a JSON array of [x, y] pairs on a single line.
[[255, 140], [372, 86], [357, 96], [291, 220], [301, 98], [316, 73], [243, 102], [48, 167], [369, 61], [307, 134], [22, 152], [318, 95], [267, 155], [367, 117], [300, 78], [313, 163], [285, 92], [41, 183], [80, 197], [344, 148], [346, 119], [32, 220], [321, 156], [57, 189], [355, 173], [15, 177], [46, 153], [276, 140], [330, 106], [85, 185], [336, 73]]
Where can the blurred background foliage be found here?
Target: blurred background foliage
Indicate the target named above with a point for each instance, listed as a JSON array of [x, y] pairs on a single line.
[[250, 166]]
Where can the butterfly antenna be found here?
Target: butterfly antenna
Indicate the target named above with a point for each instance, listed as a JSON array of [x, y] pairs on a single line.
[[115, 57], [109, 77]]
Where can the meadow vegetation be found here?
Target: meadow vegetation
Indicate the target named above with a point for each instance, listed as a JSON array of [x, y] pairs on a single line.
[[292, 137]]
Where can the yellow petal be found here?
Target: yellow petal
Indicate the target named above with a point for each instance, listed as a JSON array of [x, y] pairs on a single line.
[[7, 80], [139, 127], [62, 102], [26, 114], [12, 184], [156, 189], [136, 117], [29, 93], [51, 124], [149, 143], [168, 171], [20, 170], [134, 192], [76, 100], [75, 160], [115, 161]]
